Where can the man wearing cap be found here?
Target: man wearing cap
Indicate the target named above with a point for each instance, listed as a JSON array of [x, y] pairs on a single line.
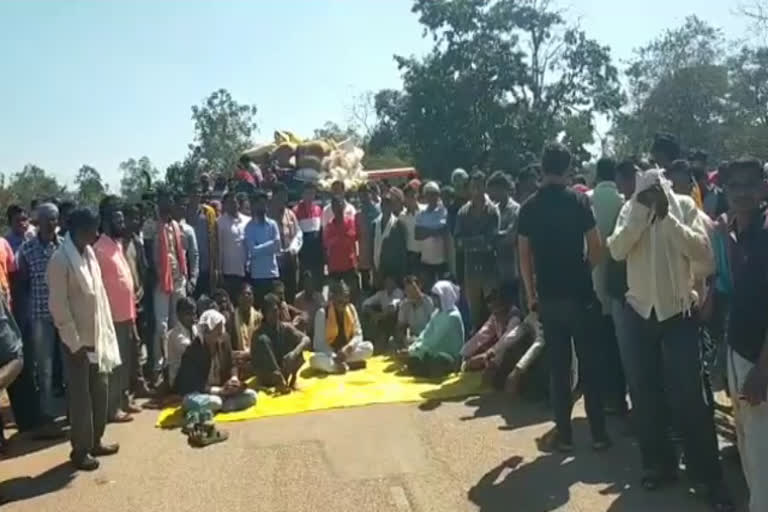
[[432, 231]]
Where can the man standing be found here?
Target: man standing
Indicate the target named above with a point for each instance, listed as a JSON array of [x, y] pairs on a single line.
[[748, 323], [364, 220], [389, 238], [477, 229], [189, 241], [136, 257], [118, 283], [431, 231], [339, 240], [500, 192], [664, 238], [34, 255], [19, 231], [202, 218], [554, 223], [291, 239], [168, 264], [606, 204], [232, 250], [338, 189], [262, 245], [412, 210], [309, 216], [80, 309]]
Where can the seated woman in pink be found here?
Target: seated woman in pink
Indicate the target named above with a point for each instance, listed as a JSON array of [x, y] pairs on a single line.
[[506, 345]]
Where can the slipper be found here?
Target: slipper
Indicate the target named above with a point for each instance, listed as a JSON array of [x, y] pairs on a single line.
[[199, 440]]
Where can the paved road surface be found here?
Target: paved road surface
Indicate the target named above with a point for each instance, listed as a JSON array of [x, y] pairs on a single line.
[[473, 455]]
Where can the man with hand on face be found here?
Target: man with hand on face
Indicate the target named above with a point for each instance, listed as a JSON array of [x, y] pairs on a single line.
[[118, 282], [665, 242]]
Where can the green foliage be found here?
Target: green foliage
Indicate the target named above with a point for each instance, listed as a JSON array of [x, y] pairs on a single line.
[[677, 83], [223, 129], [504, 76], [90, 189], [33, 182], [138, 176], [686, 83]]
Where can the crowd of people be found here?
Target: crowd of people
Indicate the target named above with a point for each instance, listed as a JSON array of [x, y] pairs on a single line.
[[656, 279]]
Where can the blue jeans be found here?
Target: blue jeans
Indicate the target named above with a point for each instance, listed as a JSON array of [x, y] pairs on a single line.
[[215, 403], [43, 335]]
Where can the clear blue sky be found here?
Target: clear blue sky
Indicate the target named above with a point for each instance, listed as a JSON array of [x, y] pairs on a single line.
[[98, 82]]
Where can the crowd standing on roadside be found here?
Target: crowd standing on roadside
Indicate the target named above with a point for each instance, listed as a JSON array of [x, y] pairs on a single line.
[[649, 289]]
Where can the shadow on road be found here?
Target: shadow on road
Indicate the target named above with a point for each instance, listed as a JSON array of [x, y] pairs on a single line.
[[27, 487], [547, 482]]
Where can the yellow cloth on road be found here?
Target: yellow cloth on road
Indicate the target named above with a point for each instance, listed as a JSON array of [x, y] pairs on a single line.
[[379, 383]]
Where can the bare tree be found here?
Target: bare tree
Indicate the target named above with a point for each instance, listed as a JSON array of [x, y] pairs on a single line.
[[757, 12], [362, 114]]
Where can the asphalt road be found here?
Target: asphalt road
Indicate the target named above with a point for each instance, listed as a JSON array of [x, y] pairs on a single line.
[[478, 454]]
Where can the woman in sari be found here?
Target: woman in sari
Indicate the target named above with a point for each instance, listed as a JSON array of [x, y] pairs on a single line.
[[437, 350]]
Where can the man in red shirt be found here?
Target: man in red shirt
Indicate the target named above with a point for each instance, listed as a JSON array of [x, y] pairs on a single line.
[[118, 283], [340, 242]]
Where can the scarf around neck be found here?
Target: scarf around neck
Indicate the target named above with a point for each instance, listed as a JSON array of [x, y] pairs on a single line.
[[164, 272], [88, 275]]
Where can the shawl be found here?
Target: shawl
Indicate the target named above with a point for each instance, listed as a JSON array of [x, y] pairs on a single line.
[[164, 272], [88, 275], [332, 327]]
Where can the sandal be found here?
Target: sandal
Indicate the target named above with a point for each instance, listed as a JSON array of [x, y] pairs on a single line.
[[201, 438], [653, 480]]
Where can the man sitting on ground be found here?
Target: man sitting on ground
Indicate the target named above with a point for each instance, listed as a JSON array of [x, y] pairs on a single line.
[[287, 312], [338, 342], [506, 345], [277, 350], [207, 376], [181, 336], [308, 301], [380, 311]]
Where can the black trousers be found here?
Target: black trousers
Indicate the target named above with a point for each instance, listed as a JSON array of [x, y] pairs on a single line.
[[565, 320], [666, 358], [288, 275]]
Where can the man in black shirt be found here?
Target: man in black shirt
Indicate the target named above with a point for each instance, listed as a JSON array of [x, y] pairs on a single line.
[[748, 322], [553, 225]]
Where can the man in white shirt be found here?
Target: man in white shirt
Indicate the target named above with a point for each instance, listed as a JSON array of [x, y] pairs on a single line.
[[231, 229], [412, 210], [665, 242]]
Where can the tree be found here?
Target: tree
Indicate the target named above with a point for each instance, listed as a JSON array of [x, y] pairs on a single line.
[[503, 77], [677, 83], [33, 182], [223, 129], [180, 175], [138, 176], [333, 131], [90, 189], [747, 123]]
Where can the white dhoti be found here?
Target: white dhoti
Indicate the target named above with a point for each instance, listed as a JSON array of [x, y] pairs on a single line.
[[751, 429]]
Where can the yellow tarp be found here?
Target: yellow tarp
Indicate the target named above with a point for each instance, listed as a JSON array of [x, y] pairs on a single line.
[[379, 383]]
